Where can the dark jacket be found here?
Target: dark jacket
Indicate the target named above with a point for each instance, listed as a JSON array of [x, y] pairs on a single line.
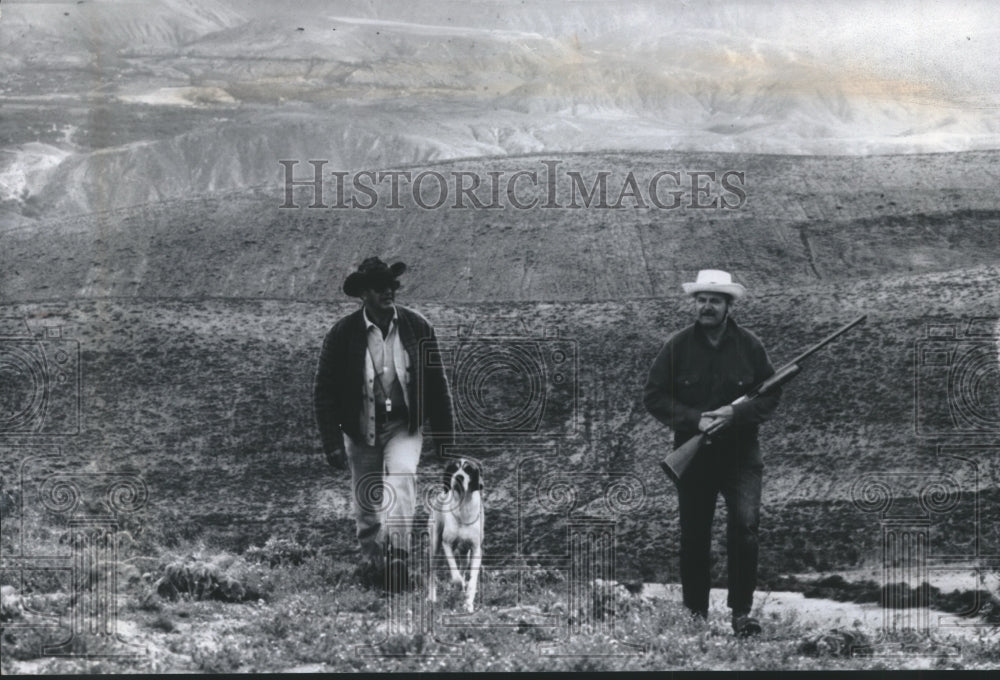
[[689, 376], [340, 378]]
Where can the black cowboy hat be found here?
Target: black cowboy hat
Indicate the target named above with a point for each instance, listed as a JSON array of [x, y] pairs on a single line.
[[375, 274]]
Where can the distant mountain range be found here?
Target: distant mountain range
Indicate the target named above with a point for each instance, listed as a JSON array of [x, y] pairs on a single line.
[[110, 103]]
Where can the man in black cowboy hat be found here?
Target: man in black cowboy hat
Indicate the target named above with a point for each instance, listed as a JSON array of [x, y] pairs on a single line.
[[373, 388], [699, 371]]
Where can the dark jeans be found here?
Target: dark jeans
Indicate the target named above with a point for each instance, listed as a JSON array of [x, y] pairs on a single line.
[[733, 469]]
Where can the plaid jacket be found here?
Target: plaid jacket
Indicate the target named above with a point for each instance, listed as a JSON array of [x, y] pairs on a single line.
[[339, 387]]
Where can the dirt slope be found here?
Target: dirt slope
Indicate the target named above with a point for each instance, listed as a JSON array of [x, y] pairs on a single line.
[[211, 402], [804, 219]]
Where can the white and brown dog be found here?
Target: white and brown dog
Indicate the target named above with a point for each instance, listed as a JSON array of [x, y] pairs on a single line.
[[456, 526]]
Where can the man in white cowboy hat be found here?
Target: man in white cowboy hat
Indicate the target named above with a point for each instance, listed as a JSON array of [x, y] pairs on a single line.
[[373, 387], [698, 372]]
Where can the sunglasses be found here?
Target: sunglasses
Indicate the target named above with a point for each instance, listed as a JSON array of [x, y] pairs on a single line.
[[382, 286]]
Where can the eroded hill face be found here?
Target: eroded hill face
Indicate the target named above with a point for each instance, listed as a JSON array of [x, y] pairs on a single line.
[[113, 104], [591, 233]]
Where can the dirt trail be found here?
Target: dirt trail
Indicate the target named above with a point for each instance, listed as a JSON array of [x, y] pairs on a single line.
[[827, 614]]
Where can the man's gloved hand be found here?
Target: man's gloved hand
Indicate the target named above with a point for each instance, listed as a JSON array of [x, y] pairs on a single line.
[[337, 458]]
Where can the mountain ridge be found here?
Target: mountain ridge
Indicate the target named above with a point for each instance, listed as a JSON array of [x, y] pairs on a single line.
[[204, 85]]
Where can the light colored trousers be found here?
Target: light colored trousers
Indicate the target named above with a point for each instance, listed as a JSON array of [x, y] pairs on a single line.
[[384, 479]]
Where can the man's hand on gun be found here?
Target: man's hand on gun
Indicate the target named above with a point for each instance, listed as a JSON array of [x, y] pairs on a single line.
[[713, 420]]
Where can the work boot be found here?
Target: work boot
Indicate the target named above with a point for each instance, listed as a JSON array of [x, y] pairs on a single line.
[[745, 625], [699, 614], [370, 572]]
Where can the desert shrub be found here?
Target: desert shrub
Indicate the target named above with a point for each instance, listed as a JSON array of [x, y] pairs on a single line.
[[836, 642], [535, 633], [403, 645], [24, 643], [967, 602], [543, 578], [280, 551], [607, 599], [199, 580], [10, 604], [226, 659], [504, 583], [277, 626], [163, 622], [335, 573], [992, 612], [319, 572], [30, 643], [145, 600], [359, 600], [837, 588]]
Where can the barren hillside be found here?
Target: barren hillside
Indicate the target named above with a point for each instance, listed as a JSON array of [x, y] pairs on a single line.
[[210, 401], [803, 220]]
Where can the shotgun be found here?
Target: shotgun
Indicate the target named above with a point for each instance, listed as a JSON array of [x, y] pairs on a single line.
[[678, 460]]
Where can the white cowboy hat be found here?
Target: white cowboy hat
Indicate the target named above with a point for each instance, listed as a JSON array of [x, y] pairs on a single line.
[[715, 281]]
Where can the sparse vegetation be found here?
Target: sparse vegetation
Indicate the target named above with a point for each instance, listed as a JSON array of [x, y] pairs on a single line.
[[280, 551], [311, 626], [200, 580], [211, 400]]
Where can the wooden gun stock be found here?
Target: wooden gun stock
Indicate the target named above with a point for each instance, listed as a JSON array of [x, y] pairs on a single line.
[[676, 463]]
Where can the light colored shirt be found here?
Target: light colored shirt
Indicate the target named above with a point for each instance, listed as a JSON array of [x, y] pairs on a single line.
[[386, 360]]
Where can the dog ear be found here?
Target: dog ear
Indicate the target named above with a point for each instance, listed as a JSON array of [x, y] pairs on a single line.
[[449, 472], [475, 478]]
